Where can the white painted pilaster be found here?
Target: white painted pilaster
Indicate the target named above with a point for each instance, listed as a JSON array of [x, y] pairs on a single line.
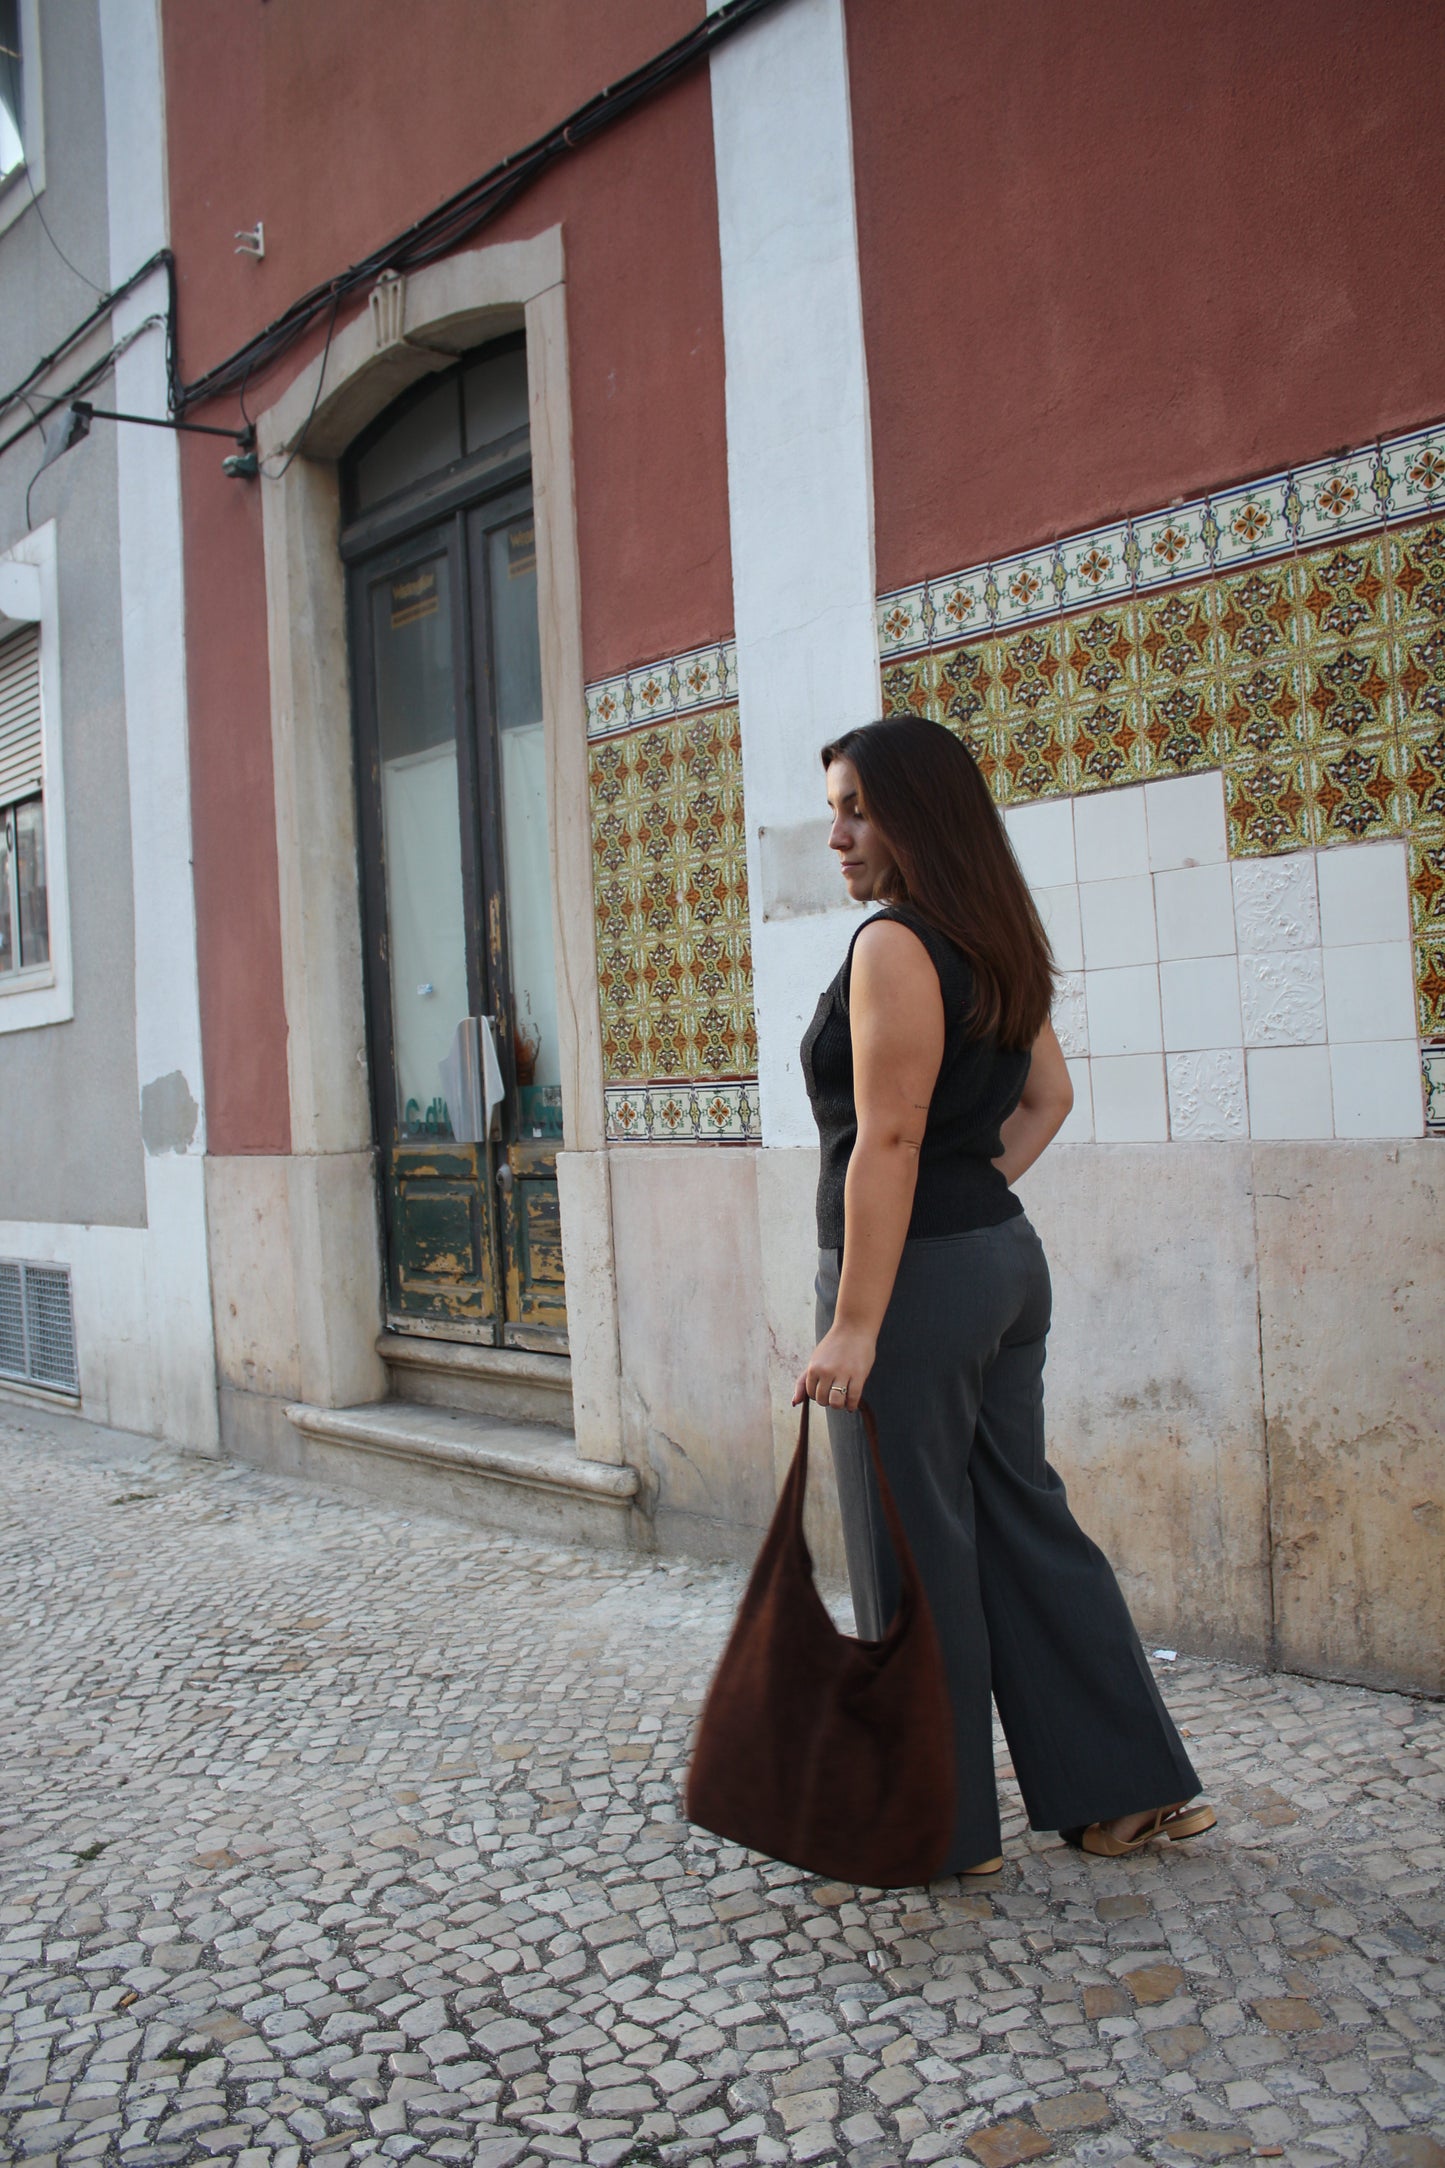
[[800, 496], [181, 1355]]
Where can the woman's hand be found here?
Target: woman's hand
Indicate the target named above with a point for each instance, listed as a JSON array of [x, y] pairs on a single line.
[[837, 1369]]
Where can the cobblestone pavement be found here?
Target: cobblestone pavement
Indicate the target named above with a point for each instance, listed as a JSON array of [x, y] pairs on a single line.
[[329, 1834]]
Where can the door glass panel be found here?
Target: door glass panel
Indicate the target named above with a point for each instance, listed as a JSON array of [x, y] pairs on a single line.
[[411, 618], [517, 674]]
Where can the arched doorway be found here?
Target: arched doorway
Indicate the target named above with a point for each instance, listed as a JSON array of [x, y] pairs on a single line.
[[439, 543]]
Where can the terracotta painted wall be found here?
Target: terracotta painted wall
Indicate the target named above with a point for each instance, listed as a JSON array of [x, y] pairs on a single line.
[[1121, 254], [338, 133]]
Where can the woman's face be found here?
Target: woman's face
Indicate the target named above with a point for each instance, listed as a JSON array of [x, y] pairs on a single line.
[[863, 855]]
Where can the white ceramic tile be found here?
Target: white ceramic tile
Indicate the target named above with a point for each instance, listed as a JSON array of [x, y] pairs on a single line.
[[901, 621], [959, 605], [1417, 468], [1276, 905], [1059, 909], [1370, 991], [1194, 906], [1079, 1126], [1071, 1027], [1130, 1106], [1185, 819], [1026, 587], [1363, 894], [1043, 840], [1252, 522], [1282, 998], [1335, 496], [1094, 566], [1199, 999], [1377, 1089], [1289, 1091], [1123, 1010], [1207, 1094], [1172, 545], [1118, 922], [1111, 838]]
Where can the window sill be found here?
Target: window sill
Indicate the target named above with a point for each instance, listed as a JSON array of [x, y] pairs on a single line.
[[33, 998], [15, 194]]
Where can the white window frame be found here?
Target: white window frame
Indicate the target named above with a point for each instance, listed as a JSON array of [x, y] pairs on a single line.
[[29, 594], [16, 189]]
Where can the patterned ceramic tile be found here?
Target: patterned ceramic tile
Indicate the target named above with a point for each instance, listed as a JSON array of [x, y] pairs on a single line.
[[1430, 988], [959, 606], [904, 621], [1336, 497], [688, 682], [1267, 805], [1174, 545], [1289, 632], [670, 877], [718, 1111], [1252, 522], [1432, 1063], [1426, 863], [908, 686], [1416, 469], [1399, 479], [1342, 592], [1354, 792], [1095, 567]]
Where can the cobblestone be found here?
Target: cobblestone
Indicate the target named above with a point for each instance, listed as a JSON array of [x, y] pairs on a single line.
[[329, 1834]]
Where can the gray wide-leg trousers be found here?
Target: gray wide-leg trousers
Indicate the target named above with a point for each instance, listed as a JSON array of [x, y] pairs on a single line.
[[1027, 1608]]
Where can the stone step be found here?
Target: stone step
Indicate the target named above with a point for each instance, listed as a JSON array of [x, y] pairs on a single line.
[[523, 1477], [508, 1382]]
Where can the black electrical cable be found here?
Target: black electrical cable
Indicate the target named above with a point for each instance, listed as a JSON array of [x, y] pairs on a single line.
[[445, 228], [82, 383], [73, 338]]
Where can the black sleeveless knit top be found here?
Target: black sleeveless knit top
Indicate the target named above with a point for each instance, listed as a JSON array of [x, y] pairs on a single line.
[[978, 1087]]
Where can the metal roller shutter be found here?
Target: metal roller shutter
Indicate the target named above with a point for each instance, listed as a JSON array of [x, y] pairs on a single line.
[[20, 715]]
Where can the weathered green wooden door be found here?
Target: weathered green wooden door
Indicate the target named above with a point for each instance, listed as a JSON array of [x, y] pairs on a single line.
[[456, 876]]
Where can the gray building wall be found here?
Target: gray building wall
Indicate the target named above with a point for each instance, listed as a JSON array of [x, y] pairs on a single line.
[[70, 1145]]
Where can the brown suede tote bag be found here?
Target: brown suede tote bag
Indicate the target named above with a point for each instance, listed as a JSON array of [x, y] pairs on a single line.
[[833, 1754]]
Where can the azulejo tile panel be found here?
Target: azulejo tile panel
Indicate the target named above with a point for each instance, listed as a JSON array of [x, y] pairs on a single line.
[[1290, 633], [702, 678], [673, 939], [1397, 479]]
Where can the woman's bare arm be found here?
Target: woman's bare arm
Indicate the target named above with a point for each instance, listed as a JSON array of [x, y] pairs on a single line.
[[1041, 1113], [896, 1015]]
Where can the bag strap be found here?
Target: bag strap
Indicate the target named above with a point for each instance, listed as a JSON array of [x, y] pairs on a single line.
[[910, 1587]]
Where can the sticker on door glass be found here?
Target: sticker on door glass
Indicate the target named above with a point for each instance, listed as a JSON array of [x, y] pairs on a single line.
[[414, 597], [521, 549]]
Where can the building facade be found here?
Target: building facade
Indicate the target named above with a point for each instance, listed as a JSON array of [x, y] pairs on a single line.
[[1071, 380], [104, 1291]]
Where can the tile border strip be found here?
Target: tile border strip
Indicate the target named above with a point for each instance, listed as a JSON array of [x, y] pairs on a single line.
[[1432, 1063], [705, 677], [694, 1110], [1397, 478]]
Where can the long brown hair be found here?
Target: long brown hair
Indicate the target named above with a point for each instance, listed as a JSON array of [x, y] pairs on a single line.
[[922, 791]]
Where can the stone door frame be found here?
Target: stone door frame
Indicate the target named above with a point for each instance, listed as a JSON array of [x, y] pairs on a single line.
[[414, 327]]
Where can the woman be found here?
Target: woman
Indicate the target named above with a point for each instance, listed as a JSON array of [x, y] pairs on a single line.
[[936, 1079]]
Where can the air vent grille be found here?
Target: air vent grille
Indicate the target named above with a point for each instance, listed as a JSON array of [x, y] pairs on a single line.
[[37, 1326]]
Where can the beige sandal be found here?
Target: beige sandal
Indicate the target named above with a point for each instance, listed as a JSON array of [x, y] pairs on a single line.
[[985, 1866], [1172, 1822]]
